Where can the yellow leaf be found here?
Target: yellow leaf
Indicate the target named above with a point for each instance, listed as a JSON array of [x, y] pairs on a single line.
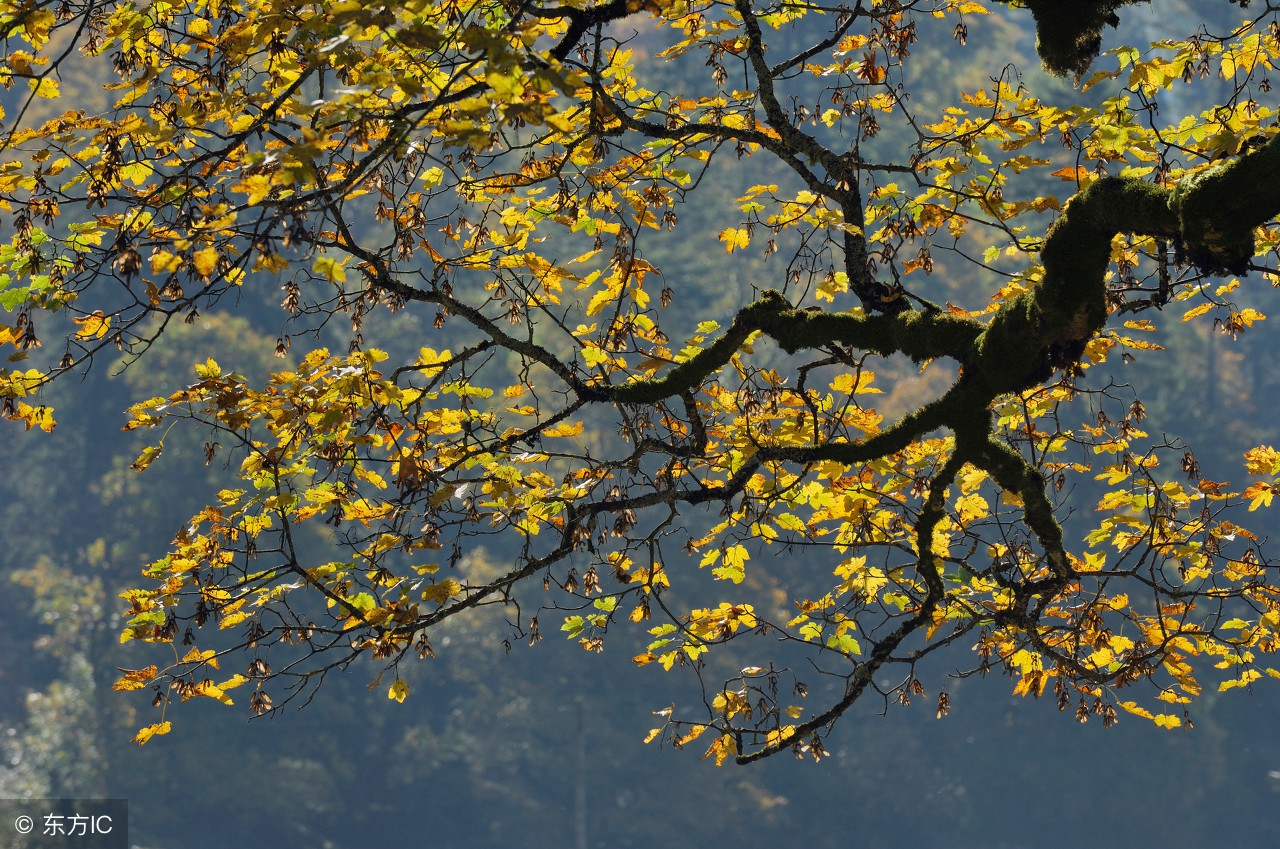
[[151, 731], [163, 262], [851, 384], [331, 269], [205, 262], [721, 749], [134, 679], [1260, 495], [1248, 316], [1026, 661], [46, 88], [1096, 349], [146, 458], [694, 733], [208, 656], [1101, 658], [1137, 710], [441, 592], [137, 172], [1246, 678], [398, 691], [564, 429], [1072, 173], [858, 577], [595, 356], [1195, 311], [972, 479], [1165, 720], [1094, 561], [363, 511], [971, 507], [1263, 460], [41, 416], [210, 690], [789, 522], [734, 237], [257, 186], [93, 326]]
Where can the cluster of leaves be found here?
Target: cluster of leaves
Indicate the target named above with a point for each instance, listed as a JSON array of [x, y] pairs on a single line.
[[504, 167]]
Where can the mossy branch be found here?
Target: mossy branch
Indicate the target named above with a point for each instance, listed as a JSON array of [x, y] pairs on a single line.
[[1069, 32], [919, 335]]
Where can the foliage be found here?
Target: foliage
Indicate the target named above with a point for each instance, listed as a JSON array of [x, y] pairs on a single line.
[[508, 170], [57, 755]]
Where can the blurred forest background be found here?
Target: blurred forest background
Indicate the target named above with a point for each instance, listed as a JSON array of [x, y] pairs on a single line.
[[542, 746]]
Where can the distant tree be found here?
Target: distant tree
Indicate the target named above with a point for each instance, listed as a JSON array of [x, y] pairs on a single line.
[[511, 172]]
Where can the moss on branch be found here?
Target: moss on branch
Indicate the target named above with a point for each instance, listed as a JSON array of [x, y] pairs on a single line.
[[919, 335], [1049, 325], [1219, 208], [1069, 32]]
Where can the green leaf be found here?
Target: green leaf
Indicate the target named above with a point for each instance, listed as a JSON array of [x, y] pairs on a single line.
[[362, 602]]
